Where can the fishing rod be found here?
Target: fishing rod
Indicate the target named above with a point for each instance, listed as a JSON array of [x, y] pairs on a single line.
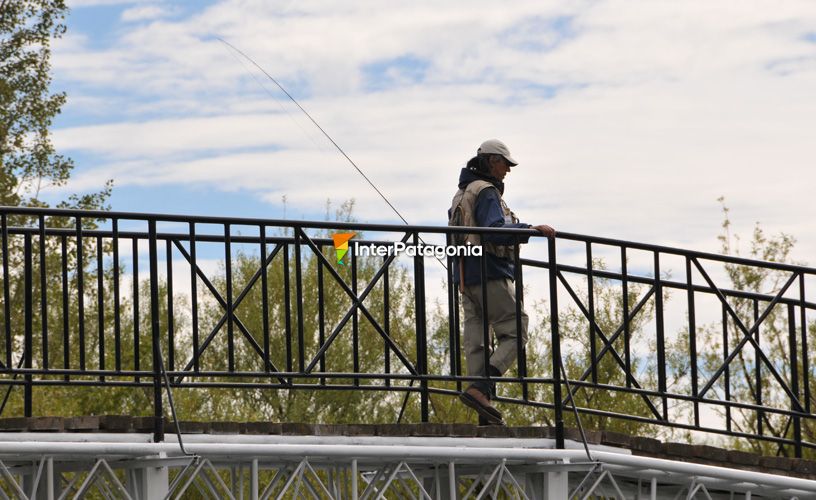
[[321, 129]]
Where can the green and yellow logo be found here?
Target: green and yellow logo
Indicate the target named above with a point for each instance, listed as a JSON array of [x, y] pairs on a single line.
[[341, 245]]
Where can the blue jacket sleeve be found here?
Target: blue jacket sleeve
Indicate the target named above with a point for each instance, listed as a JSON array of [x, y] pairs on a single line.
[[489, 214]]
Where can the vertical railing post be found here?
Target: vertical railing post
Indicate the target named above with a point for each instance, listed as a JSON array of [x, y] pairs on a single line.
[[194, 295], [230, 311], [29, 326], [117, 319], [627, 348], [593, 349], [6, 292], [794, 361], [456, 346], [421, 338], [299, 298], [386, 321], [758, 371], [100, 303], [803, 327], [486, 343], [692, 322], [136, 337], [66, 318], [355, 324], [556, 345], [158, 422], [321, 315], [660, 335], [727, 372], [80, 276], [265, 299], [171, 342], [453, 329], [43, 294], [521, 351]]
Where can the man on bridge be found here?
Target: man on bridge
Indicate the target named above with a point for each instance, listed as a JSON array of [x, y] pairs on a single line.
[[479, 202]]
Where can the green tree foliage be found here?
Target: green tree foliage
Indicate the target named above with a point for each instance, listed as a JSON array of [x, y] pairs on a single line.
[[28, 160]]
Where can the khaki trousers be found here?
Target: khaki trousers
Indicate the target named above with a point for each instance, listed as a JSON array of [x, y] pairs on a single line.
[[501, 316]]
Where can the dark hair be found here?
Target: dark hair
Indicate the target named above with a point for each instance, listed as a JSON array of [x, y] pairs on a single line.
[[479, 164]]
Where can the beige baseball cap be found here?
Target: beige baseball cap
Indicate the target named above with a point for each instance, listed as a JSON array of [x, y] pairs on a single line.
[[496, 147]]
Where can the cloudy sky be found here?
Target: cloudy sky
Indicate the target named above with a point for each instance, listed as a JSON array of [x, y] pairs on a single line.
[[629, 118]]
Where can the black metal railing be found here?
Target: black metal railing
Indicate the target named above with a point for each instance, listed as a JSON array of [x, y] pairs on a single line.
[[264, 304]]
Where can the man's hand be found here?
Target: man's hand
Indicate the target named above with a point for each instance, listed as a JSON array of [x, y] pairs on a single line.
[[545, 230]]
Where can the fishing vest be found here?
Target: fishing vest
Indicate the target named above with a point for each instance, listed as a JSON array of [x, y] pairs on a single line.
[[463, 213]]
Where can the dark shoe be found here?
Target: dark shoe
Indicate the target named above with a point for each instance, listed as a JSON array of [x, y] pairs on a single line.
[[474, 398]]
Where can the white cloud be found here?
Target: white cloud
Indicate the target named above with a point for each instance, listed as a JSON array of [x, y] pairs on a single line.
[[143, 13], [172, 136]]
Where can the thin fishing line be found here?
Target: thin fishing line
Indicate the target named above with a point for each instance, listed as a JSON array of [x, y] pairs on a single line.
[[271, 94], [318, 127]]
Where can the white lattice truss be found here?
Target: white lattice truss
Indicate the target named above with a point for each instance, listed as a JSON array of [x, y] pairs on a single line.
[[60, 466]]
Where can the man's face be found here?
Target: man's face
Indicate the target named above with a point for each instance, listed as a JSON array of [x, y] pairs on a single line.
[[499, 167]]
